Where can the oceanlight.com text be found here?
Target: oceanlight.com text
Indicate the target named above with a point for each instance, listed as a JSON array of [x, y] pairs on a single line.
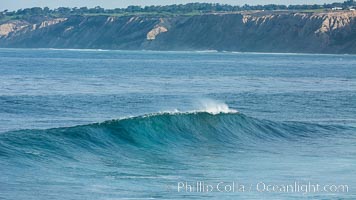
[[262, 187]]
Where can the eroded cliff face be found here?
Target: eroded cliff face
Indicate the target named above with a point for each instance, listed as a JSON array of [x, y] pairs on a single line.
[[331, 32], [11, 27]]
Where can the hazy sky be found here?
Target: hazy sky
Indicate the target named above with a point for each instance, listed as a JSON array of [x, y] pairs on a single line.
[[16, 4]]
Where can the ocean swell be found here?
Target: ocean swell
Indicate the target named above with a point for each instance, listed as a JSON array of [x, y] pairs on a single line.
[[157, 132]]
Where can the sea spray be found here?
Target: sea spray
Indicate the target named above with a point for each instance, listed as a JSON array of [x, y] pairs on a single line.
[[214, 106]]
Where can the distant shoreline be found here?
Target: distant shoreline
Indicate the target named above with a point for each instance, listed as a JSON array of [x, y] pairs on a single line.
[[178, 51], [266, 32]]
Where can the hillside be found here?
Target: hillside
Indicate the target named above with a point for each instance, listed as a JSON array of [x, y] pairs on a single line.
[[257, 31]]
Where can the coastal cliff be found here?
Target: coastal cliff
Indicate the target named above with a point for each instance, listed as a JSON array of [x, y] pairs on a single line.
[[326, 32]]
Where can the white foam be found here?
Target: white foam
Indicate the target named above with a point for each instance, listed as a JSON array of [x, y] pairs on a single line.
[[214, 107]]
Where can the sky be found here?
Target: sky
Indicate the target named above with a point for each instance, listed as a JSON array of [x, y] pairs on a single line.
[[17, 4]]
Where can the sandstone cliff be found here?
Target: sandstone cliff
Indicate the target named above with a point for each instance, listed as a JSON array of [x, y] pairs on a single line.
[[329, 32]]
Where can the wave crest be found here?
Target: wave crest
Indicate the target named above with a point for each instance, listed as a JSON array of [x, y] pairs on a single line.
[[214, 107]]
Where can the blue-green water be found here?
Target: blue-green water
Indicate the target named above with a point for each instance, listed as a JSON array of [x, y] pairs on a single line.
[[151, 125]]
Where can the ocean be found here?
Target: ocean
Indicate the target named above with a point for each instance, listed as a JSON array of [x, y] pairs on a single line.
[[97, 124]]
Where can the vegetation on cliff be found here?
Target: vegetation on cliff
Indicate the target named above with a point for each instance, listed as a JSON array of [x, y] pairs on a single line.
[[186, 9]]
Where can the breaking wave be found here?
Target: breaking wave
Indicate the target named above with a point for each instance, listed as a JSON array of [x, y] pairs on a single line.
[[155, 132]]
